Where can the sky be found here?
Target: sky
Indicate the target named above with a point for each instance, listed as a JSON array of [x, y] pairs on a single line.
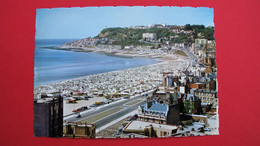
[[76, 23]]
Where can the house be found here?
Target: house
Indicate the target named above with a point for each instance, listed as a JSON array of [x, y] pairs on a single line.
[[159, 113], [129, 47], [212, 84], [207, 96], [201, 41], [153, 112], [208, 70], [151, 36], [192, 104], [198, 85]]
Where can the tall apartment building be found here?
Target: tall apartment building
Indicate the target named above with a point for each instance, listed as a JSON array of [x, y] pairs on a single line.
[[48, 117]]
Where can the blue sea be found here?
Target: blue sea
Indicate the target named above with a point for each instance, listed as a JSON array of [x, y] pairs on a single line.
[[57, 65]]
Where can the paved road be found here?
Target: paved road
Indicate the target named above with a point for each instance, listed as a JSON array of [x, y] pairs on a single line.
[[117, 115], [99, 123], [193, 59]]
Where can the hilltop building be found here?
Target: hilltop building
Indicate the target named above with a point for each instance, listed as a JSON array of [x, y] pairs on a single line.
[[151, 36], [201, 41]]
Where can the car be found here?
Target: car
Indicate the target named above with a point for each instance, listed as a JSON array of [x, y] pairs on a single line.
[[93, 105], [86, 97], [134, 117], [84, 107], [78, 116], [125, 123], [111, 99], [207, 129], [80, 109], [71, 101], [76, 110]]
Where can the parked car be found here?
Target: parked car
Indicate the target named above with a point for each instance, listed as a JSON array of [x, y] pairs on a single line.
[[87, 97], [71, 101], [76, 110], [85, 107], [133, 117], [78, 116], [93, 105]]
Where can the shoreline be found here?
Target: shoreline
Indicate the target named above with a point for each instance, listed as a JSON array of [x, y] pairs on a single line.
[[159, 59], [142, 73], [76, 78], [161, 56]]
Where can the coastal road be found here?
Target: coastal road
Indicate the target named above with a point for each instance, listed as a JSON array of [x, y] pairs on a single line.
[[106, 114], [110, 118]]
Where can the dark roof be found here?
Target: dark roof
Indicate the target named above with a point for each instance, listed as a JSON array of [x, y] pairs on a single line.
[[156, 108], [212, 76], [186, 72], [159, 107], [190, 96], [203, 79], [205, 91]]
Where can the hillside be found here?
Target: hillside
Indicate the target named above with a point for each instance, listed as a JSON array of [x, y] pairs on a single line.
[[153, 37], [170, 34]]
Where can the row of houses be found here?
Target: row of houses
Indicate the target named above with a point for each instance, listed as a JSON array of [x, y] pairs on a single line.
[[184, 105]]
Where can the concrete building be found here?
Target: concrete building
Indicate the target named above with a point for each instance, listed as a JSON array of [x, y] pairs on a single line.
[[212, 84], [192, 104], [48, 117], [198, 85], [152, 36], [207, 96], [153, 112], [159, 113], [150, 129], [201, 41], [79, 130]]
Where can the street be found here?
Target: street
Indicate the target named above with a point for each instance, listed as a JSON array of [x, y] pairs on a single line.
[[124, 107]]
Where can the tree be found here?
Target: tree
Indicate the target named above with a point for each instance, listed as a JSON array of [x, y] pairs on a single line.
[[187, 27]]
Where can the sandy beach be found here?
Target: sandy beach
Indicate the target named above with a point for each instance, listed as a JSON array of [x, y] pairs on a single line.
[[146, 73], [132, 80]]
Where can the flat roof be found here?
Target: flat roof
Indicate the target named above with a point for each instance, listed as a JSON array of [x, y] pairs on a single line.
[[161, 88], [44, 100], [205, 90], [160, 92], [140, 125]]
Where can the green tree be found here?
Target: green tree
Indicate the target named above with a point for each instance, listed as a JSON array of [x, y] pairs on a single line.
[[187, 27]]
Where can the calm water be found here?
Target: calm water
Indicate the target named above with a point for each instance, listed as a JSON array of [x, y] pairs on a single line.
[[57, 65]]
